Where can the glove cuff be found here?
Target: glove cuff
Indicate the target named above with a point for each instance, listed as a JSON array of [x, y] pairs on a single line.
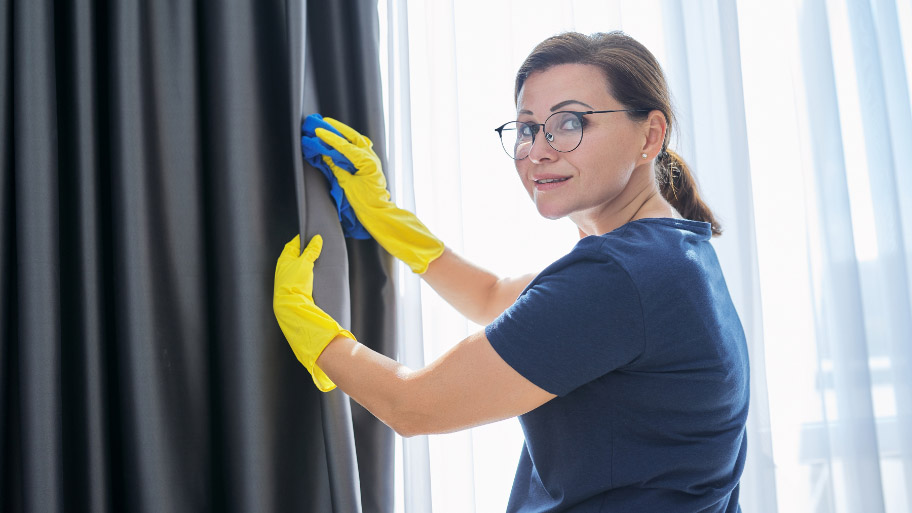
[[429, 254], [324, 384]]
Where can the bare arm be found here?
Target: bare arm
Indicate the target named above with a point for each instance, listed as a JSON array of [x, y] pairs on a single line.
[[476, 293], [468, 386]]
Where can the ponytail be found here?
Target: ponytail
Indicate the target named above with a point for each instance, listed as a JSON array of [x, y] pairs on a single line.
[[679, 188]]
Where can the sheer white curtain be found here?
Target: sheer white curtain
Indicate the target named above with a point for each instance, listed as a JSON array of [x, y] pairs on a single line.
[[795, 116], [827, 138]]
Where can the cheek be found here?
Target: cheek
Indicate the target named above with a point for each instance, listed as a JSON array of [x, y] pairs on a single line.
[[605, 168], [521, 173]]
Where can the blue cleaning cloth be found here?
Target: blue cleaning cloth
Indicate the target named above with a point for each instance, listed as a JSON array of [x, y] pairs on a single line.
[[314, 149]]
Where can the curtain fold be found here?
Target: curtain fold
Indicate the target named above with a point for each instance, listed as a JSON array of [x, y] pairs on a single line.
[[147, 189], [37, 266], [863, 303], [316, 215], [412, 454], [887, 123], [9, 455], [840, 316], [344, 38]]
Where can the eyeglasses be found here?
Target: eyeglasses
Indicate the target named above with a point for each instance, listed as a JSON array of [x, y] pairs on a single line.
[[563, 131]]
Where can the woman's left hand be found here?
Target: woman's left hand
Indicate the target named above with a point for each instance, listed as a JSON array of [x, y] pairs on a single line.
[[399, 231], [307, 328]]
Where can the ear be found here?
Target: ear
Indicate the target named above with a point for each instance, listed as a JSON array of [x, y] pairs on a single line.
[[654, 128]]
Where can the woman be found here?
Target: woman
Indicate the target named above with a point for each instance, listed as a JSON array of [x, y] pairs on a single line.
[[624, 360]]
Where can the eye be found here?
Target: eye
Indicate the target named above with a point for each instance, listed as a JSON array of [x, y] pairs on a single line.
[[570, 122], [526, 131]]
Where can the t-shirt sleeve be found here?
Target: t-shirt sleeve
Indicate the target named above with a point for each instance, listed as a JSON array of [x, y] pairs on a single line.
[[573, 324]]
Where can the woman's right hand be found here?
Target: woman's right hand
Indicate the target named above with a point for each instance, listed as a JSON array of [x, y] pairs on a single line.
[[398, 231]]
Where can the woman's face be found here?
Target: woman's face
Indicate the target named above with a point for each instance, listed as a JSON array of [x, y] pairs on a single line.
[[593, 178]]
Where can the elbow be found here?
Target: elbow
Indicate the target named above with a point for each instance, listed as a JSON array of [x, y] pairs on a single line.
[[409, 424], [485, 316], [409, 407], [406, 432], [411, 414]]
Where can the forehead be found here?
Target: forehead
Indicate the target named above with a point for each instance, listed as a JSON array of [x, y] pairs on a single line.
[[581, 82]]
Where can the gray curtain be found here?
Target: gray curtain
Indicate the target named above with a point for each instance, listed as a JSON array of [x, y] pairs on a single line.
[[149, 157], [343, 43]]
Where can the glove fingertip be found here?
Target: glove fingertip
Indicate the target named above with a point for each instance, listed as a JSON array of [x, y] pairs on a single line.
[[314, 248], [330, 138], [293, 247], [340, 126], [350, 133]]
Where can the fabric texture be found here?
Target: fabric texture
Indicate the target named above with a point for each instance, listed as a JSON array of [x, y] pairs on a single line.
[[636, 333], [146, 189], [344, 65], [314, 150]]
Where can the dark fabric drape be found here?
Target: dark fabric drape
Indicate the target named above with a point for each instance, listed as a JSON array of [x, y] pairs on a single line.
[[343, 41], [147, 189]]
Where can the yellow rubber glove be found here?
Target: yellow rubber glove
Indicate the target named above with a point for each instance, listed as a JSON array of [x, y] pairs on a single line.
[[307, 328], [397, 230]]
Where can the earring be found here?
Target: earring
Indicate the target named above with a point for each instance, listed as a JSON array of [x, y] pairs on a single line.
[[644, 155]]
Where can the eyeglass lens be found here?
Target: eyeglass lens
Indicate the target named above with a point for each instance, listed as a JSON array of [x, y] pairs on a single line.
[[563, 131]]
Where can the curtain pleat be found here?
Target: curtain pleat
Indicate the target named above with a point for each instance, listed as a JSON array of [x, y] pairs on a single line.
[[84, 283], [344, 41], [897, 178], [887, 125], [157, 235], [840, 316], [147, 189], [414, 451], [37, 258], [316, 215], [758, 483], [10, 456]]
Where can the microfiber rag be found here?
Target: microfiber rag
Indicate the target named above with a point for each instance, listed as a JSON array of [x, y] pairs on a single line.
[[314, 149]]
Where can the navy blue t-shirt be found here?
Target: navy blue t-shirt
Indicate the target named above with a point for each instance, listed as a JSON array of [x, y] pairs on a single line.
[[636, 334]]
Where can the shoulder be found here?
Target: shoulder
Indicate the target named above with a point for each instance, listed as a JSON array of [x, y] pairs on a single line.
[[577, 320], [658, 248], [584, 271], [635, 245], [652, 236]]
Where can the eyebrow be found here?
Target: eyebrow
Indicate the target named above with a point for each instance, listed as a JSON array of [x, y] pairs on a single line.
[[560, 105]]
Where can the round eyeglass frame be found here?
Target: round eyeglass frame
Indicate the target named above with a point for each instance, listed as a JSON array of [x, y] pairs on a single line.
[[549, 136]]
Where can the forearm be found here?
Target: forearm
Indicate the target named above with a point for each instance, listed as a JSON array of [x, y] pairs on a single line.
[[468, 386], [378, 383], [476, 293]]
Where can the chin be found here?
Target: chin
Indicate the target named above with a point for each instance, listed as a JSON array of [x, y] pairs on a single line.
[[550, 213]]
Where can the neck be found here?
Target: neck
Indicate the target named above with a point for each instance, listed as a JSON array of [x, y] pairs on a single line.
[[642, 200]]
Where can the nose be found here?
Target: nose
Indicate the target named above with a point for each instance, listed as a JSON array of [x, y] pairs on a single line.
[[540, 149]]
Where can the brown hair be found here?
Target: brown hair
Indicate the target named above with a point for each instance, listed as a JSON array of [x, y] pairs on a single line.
[[636, 80]]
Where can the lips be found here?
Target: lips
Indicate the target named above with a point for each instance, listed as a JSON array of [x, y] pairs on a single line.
[[546, 178], [548, 182], [543, 181]]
